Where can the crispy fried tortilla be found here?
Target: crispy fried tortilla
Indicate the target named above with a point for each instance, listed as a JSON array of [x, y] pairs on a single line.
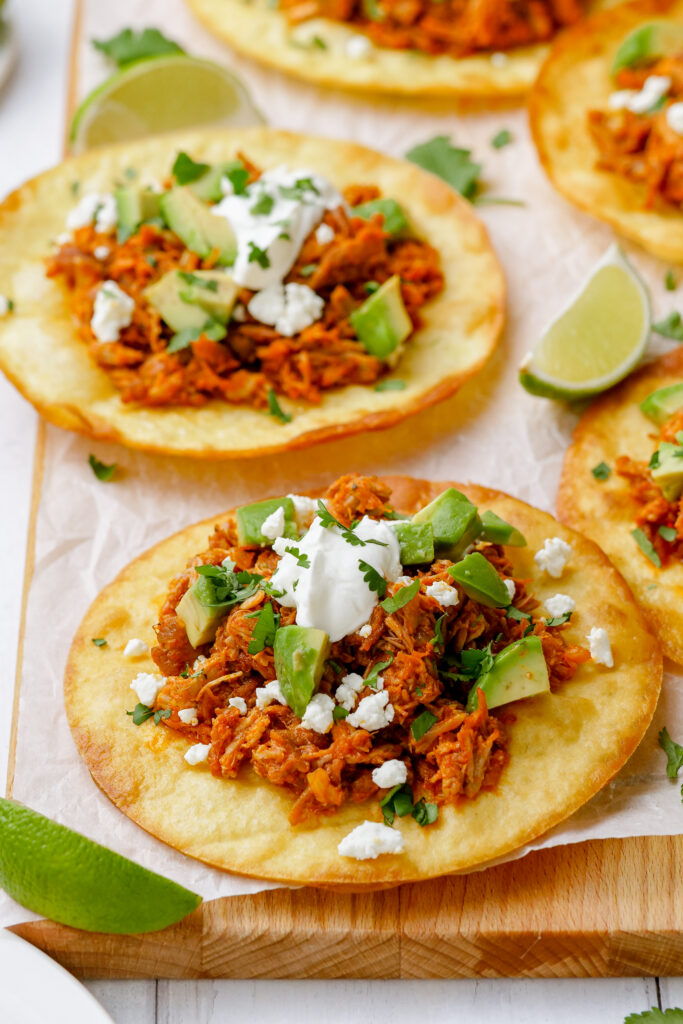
[[563, 747], [606, 512], [575, 79]]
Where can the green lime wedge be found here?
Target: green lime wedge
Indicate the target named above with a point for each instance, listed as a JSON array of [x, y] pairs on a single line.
[[597, 339], [59, 873], [161, 94]]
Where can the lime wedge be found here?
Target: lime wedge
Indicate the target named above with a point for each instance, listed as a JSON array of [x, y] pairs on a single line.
[[59, 873], [597, 339], [160, 94]]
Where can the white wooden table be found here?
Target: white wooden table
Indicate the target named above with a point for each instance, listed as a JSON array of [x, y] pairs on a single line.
[[31, 133]]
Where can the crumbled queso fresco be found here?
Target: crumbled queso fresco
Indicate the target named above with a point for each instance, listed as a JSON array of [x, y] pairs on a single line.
[[318, 713], [197, 753], [560, 604], [188, 716], [239, 703], [511, 588], [348, 690], [135, 648], [391, 773], [553, 556], [113, 311], [268, 694], [373, 712], [640, 101], [369, 840], [147, 686], [446, 595], [99, 207], [289, 308], [600, 647], [273, 526]]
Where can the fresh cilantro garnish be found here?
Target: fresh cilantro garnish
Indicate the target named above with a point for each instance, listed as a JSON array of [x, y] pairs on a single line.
[[302, 559], [127, 45], [559, 620], [75, 187], [219, 587], [670, 281], [327, 520], [399, 802], [422, 723], [275, 409], [471, 663], [308, 269], [185, 169], [601, 472], [257, 255], [670, 327], [263, 206], [438, 638], [374, 580], [391, 384], [370, 287], [99, 641], [450, 164], [673, 1015], [667, 532], [335, 666], [101, 470], [213, 330], [646, 547], [372, 676], [425, 813], [503, 138], [339, 712], [194, 280], [263, 633], [318, 43], [140, 713], [186, 671], [517, 614], [402, 596], [161, 713], [654, 460], [238, 178], [674, 755]]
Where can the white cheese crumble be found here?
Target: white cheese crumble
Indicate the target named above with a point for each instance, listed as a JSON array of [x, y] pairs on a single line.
[[348, 690], [197, 753], [511, 588], [600, 648], [674, 118], [553, 556], [560, 604], [239, 703], [239, 313], [63, 238], [373, 713], [343, 608], [358, 48], [304, 510], [499, 60], [274, 525], [4, 305], [391, 773], [113, 311], [268, 694], [147, 686], [324, 234], [365, 631], [289, 308], [100, 252], [135, 648], [99, 207], [446, 595], [369, 840], [300, 199], [198, 662], [318, 713], [640, 101], [188, 716]]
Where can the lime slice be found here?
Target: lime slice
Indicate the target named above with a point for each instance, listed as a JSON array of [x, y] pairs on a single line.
[[597, 339], [59, 873], [160, 94]]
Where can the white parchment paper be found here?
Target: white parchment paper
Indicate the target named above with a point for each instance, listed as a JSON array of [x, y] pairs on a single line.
[[491, 433]]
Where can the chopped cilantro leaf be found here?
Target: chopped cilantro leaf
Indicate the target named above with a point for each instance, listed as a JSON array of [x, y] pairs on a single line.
[[517, 614], [327, 520], [257, 255], [75, 187], [127, 45], [238, 178], [275, 409], [654, 460], [140, 713], [667, 532], [339, 712], [402, 596], [308, 269], [302, 559], [391, 384], [502, 138], [318, 43], [185, 169], [559, 620], [198, 282], [450, 164], [184, 338], [379, 666], [370, 287], [99, 641], [670, 327], [602, 471], [101, 470], [646, 547], [422, 723], [161, 713], [298, 190], [438, 638], [374, 580], [10, 305], [655, 1016], [221, 588], [424, 813], [263, 206], [263, 633], [674, 754], [670, 281], [399, 802], [470, 663], [335, 666]]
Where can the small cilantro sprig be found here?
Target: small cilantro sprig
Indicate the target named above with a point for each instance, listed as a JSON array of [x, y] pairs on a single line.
[[258, 255], [373, 675], [670, 327], [449, 163], [185, 169], [401, 598], [674, 1015], [668, 533], [502, 138], [424, 721], [601, 472], [221, 587], [328, 520], [559, 620], [128, 45], [265, 628], [276, 410], [469, 664], [438, 639], [212, 329], [141, 713], [101, 470], [302, 559], [399, 802], [211, 285], [646, 546], [299, 189], [374, 580], [99, 641], [674, 755], [263, 205], [670, 281]]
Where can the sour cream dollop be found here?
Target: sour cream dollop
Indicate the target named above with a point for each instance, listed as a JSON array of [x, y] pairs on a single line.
[[330, 593]]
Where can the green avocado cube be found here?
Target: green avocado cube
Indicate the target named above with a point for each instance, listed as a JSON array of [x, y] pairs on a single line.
[[668, 471], [133, 206], [185, 300], [480, 581], [496, 531], [395, 221], [416, 541], [648, 42], [663, 403], [200, 620], [250, 519], [194, 223], [382, 322], [208, 187], [518, 671], [300, 654], [455, 522]]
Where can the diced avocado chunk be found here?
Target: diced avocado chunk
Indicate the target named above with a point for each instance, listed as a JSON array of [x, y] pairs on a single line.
[[133, 206], [480, 581], [300, 655], [193, 222], [454, 520], [250, 519], [496, 531], [382, 323], [416, 541], [395, 221], [647, 43], [668, 473], [185, 299], [663, 403], [200, 620], [208, 187], [518, 671]]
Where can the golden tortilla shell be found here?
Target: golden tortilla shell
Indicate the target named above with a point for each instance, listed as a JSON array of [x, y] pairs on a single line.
[[575, 79], [563, 748], [42, 356], [263, 33], [614, 425]]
